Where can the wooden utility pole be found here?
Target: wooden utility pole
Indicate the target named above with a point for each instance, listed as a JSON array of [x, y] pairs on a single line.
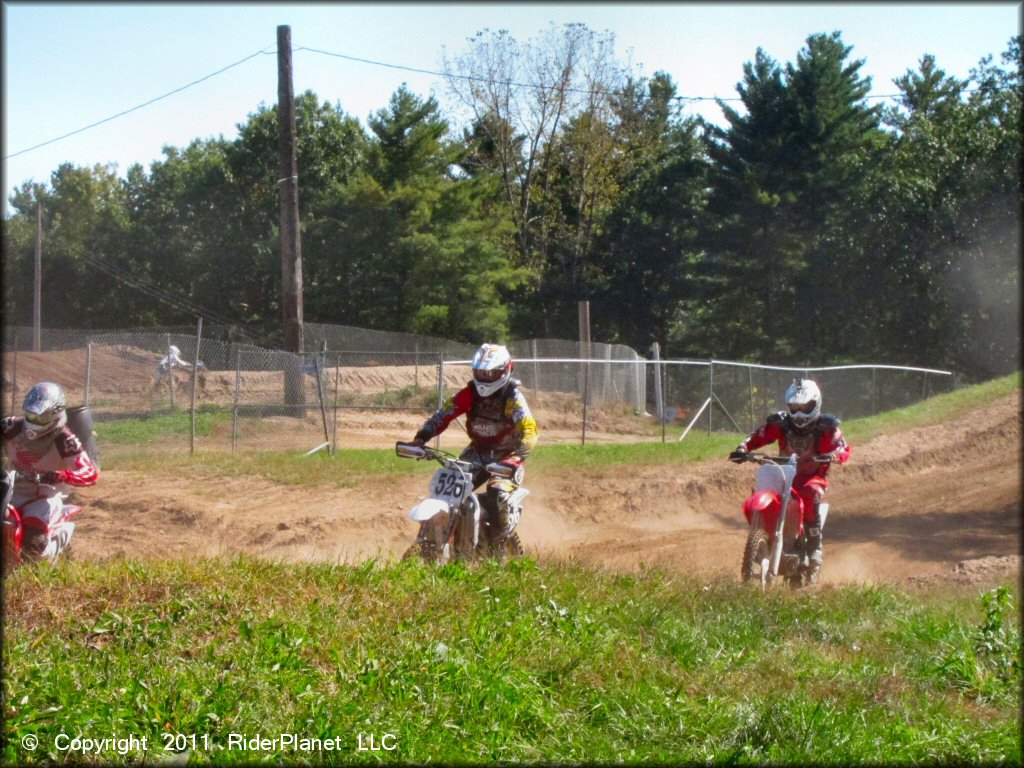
[[291, 249], [584, 319], [37, 283]]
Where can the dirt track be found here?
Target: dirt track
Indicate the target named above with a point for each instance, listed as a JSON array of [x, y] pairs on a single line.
[[913, 505]]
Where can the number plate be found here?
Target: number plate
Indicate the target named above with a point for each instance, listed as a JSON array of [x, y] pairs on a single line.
[[449, 486]]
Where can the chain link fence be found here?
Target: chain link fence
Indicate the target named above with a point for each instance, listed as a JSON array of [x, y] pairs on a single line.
[[363, 388]]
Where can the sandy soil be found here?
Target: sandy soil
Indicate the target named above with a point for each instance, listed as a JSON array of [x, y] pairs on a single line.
[[937, 503]]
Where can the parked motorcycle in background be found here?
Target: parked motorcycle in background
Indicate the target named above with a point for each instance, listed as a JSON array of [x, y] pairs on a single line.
[[450, 521], [776, 545]]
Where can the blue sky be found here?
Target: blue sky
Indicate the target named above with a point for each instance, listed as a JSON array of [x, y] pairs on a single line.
[[68, 65]]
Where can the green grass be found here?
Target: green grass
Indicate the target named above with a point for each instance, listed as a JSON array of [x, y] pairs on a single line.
[[129, 432], [521, 662]]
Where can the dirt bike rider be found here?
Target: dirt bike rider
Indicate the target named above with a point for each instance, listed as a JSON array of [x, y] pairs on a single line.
[[500, 426], [46, 454], [816, 438]]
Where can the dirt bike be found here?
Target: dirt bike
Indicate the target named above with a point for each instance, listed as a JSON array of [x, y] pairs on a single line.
[[776, 545], [450, 519], [28, 538]]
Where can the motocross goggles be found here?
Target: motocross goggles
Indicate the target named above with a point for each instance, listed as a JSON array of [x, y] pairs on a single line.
[[40, 419], [795, 408], [488, 376]]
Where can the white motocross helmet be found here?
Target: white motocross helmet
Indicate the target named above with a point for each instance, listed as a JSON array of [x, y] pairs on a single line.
[[44, 409], [803, 398], [492, 368], [173, 351]]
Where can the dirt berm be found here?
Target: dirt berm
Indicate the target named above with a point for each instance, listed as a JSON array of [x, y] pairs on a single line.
[[936, 502]]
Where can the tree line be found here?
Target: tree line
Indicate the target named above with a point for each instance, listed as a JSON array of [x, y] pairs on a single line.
[[812, 227]]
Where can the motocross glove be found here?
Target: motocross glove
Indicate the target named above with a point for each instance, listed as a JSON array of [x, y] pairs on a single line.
[[738, 456]]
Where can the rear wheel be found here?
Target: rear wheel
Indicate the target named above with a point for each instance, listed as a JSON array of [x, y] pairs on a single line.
[[756, 556]]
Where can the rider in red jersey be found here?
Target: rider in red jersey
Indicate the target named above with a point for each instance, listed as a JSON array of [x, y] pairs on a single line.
[[47, 455], [817, 441]]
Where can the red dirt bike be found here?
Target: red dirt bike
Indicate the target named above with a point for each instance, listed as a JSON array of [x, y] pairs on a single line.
[[27, 538], [450, 519], [776, 545]]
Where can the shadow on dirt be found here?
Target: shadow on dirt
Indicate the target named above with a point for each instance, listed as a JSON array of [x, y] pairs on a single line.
[[934, 536]]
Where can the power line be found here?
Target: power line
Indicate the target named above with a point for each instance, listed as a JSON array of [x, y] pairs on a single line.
[[140, 106], [372, 62], [159, 294], [543, 87]]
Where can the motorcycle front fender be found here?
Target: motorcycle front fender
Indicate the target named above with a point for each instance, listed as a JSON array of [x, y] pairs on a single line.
[[427, 509], [60, 538], [765, 503]]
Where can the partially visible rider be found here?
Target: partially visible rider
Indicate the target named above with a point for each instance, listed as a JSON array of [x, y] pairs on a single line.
[[173, 359], [48, 457], [500, 425], [816, 439], [170, 361]]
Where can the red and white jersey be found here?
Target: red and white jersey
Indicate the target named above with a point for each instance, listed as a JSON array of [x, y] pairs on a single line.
[[824, 437], [59, 452]]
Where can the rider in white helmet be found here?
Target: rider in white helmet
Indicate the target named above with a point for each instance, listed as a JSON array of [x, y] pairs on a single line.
[[816, 438], [500, 427], [172, 360], [47, 455]]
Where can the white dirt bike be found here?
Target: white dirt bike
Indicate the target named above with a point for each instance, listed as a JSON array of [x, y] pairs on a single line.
[[451, 525], [776, 544]]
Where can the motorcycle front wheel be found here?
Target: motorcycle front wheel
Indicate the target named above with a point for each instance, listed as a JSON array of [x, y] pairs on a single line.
[[508, 546], [425, 547], [756, 555]]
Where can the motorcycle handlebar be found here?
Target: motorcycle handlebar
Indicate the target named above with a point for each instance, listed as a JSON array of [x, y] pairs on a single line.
[[414, 451], [764, 458]]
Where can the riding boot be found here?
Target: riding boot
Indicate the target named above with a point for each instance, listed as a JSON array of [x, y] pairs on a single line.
[[815, 553]]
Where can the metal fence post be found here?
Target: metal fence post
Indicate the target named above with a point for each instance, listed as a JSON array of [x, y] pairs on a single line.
[[536, 373], [711, 392], [586, 399], [750, 376], [320, 393], [234, 409], [88, 372], [640, 396], [659, 402], [440, 394], [337, 375], [663, 374], [195, 379]]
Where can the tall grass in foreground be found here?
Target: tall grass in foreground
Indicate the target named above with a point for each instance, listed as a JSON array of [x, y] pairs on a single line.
[[502, 663]]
